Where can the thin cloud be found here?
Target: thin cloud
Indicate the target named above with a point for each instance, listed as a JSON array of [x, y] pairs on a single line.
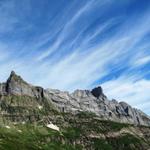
[[67, 27], [130, 90], [83, 45], [142, 61]]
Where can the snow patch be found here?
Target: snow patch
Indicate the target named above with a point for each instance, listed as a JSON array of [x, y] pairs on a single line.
[[8, 127], [20, 131], [52, 126], [23, 122], [40, 107]]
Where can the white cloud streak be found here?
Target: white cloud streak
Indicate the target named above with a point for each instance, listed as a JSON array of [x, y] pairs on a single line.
[[141, 61], [67, 28], [131, 90], [87, 63]]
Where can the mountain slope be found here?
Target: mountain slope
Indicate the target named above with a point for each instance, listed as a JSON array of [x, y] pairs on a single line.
[[77, 132], [80, 100], [32, 118]]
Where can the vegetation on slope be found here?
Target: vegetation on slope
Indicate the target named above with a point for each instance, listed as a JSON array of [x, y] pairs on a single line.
[[23, 127], [80, 133]]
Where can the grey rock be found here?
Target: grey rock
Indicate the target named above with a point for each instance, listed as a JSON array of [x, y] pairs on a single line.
[[17, 86], [80, 100], [97, 92], [3, 89]]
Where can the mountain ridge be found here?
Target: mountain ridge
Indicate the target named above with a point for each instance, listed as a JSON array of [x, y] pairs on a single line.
[[33, 118], [93, 101]]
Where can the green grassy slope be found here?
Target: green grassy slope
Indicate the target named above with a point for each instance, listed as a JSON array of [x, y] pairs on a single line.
[[23, 127], [80, 133]]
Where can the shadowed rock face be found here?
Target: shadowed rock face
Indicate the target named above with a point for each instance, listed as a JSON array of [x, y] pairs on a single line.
[[97, 92], [80, 100], [15, 85]]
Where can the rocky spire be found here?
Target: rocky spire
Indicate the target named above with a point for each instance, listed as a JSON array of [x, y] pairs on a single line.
[[97, 92], [15, 84], [14, 77], [12, 73]]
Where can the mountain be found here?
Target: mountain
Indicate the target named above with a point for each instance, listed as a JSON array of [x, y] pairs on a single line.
[[80, 100], [32, 116]]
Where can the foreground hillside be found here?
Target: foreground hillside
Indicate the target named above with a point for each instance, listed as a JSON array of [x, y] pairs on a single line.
[[76, 132], [32, 118]]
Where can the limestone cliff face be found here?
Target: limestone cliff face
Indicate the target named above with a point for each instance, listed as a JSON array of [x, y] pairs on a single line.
[[84, 100], [80, 100], [17, 86]]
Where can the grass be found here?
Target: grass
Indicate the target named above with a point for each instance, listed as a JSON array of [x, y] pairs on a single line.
[[126, 142], [74, 135], [101, 144], [88, 122], [28, 137]]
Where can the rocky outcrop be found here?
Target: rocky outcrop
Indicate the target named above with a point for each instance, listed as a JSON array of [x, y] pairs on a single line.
[[15, 85], [84, 100], [97, 92], [80, 100]]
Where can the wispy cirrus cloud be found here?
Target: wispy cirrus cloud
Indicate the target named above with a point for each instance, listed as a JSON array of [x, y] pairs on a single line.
[[80, 46], [68, 28], [142, 60], [132, 89]]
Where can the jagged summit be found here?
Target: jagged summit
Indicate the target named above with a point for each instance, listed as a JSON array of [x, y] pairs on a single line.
[[12, 73], [97, 92], [16, 85], [80, 100], [14, 77]]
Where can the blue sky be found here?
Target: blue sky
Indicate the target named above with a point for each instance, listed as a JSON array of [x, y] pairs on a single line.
[[72, 44]]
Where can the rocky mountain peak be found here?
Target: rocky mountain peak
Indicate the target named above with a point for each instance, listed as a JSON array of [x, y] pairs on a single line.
[[15, 78], [12, 73], [16, 85], [97, 92], [80, 100]]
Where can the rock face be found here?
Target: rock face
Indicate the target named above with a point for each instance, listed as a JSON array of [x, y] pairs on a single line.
[[97, 92], [15, 85], [80, 100]]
